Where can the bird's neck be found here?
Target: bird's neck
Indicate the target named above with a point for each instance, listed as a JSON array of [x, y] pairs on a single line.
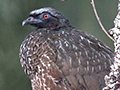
[[55, 29]]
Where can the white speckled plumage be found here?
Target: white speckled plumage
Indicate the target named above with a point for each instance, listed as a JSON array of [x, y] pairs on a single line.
[[63, 58]]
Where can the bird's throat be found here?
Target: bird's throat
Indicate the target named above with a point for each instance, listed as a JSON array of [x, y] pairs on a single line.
[[53, 26]]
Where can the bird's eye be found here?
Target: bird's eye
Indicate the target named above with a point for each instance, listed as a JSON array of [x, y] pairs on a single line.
[[46, 16]]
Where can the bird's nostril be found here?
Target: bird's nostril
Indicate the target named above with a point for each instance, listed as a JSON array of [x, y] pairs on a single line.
[[30, 18]]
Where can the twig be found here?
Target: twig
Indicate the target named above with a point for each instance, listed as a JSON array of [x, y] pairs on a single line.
[[93, 5]]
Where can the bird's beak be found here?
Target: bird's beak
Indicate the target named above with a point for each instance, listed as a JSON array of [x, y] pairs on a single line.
[[27, 21], [32, 21]]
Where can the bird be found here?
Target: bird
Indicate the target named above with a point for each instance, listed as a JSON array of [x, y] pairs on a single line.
[[57, 56]]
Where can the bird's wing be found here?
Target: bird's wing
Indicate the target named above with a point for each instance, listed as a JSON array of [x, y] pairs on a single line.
[[83, 60]]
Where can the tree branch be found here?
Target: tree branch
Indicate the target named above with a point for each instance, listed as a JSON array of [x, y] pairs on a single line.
[[113, 79]]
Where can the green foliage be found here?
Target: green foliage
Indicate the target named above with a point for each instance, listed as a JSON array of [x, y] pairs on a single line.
[[12, 13]]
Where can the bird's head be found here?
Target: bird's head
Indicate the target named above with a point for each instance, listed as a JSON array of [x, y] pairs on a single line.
[[46, 18]]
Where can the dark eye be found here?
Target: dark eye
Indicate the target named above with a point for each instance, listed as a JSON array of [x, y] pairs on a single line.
[[45, 16]]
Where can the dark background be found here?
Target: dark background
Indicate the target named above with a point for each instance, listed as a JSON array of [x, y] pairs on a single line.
[[13, 12]]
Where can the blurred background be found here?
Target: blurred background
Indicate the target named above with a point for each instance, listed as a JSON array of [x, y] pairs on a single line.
[[13, 12]]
